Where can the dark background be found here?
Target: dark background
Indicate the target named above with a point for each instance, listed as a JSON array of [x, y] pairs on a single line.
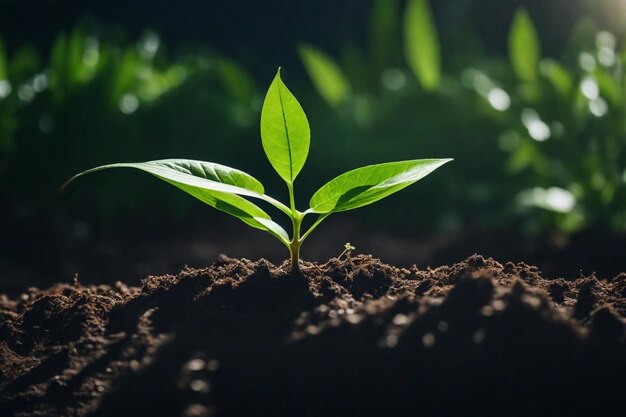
[[123, 225], [265, 31]]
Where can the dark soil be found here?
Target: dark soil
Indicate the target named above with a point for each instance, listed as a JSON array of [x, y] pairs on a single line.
[[352, 337]]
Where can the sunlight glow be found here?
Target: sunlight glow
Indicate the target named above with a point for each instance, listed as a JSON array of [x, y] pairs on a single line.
[[605, 39], [589, 88], [537, 128], [91, 55], [499, 99], [26, 92], [129, 103], [598, 107], [393, 79], [606, 56], [554, 198], [40, 82], [149, 45], [587, 62], [5, 88]]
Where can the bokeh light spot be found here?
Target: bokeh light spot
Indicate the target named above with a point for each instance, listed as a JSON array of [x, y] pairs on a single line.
[[499, 99], [587, 62], [589, 88], [5, 88], [598, 107], [393, 79], [129, 103]]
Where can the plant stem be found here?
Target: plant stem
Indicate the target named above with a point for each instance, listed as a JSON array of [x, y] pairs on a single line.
[[294, 250], [296, 242]]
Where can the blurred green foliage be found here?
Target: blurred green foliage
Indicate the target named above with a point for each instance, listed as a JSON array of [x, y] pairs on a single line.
[[524, 47], [93, 100], [565, 132], [539, 142], [325, 74], [422, 44]]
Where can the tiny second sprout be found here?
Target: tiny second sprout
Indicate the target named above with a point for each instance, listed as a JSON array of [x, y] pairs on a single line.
[[347, 250], [285, 136]]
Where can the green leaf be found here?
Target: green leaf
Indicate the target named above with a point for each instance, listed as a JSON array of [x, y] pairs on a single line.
[[524, 46], [366, 185], [236, 206], [328, 78], [216, 185], [284, 131], [422, 44]]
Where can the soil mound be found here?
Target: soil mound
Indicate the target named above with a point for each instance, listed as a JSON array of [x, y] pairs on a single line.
[[350, 337]]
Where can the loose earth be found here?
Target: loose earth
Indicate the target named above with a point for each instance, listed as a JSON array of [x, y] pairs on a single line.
[[351, 337]]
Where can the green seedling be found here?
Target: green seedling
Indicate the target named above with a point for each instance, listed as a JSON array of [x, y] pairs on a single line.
[[285, 137], [347, 250]]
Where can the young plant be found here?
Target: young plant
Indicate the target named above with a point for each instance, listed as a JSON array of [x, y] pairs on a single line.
[[285, 137]]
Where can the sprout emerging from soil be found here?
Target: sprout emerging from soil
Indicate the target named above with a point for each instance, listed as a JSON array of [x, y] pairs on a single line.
[[347, 250], [286, 138]]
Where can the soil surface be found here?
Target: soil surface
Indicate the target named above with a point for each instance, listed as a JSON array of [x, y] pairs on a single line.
[[351, 337]]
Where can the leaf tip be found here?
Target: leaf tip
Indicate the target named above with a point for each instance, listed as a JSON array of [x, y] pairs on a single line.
[[66, 183], [277, 78], [445, 161]]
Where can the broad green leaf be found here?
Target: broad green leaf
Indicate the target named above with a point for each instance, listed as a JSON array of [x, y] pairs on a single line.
[[206, 175], [366, 185], [284, 131], [524, 46], [216, 185], [236, 206], [422, 44], [328, 78]]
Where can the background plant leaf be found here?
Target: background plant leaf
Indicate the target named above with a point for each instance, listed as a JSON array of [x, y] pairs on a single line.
[[3, 61], [327, 76], [557, 76], [524, 46], [216, 185], [384, 34], [285, 131], [366, 185], [421, 43], [236, 80]]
